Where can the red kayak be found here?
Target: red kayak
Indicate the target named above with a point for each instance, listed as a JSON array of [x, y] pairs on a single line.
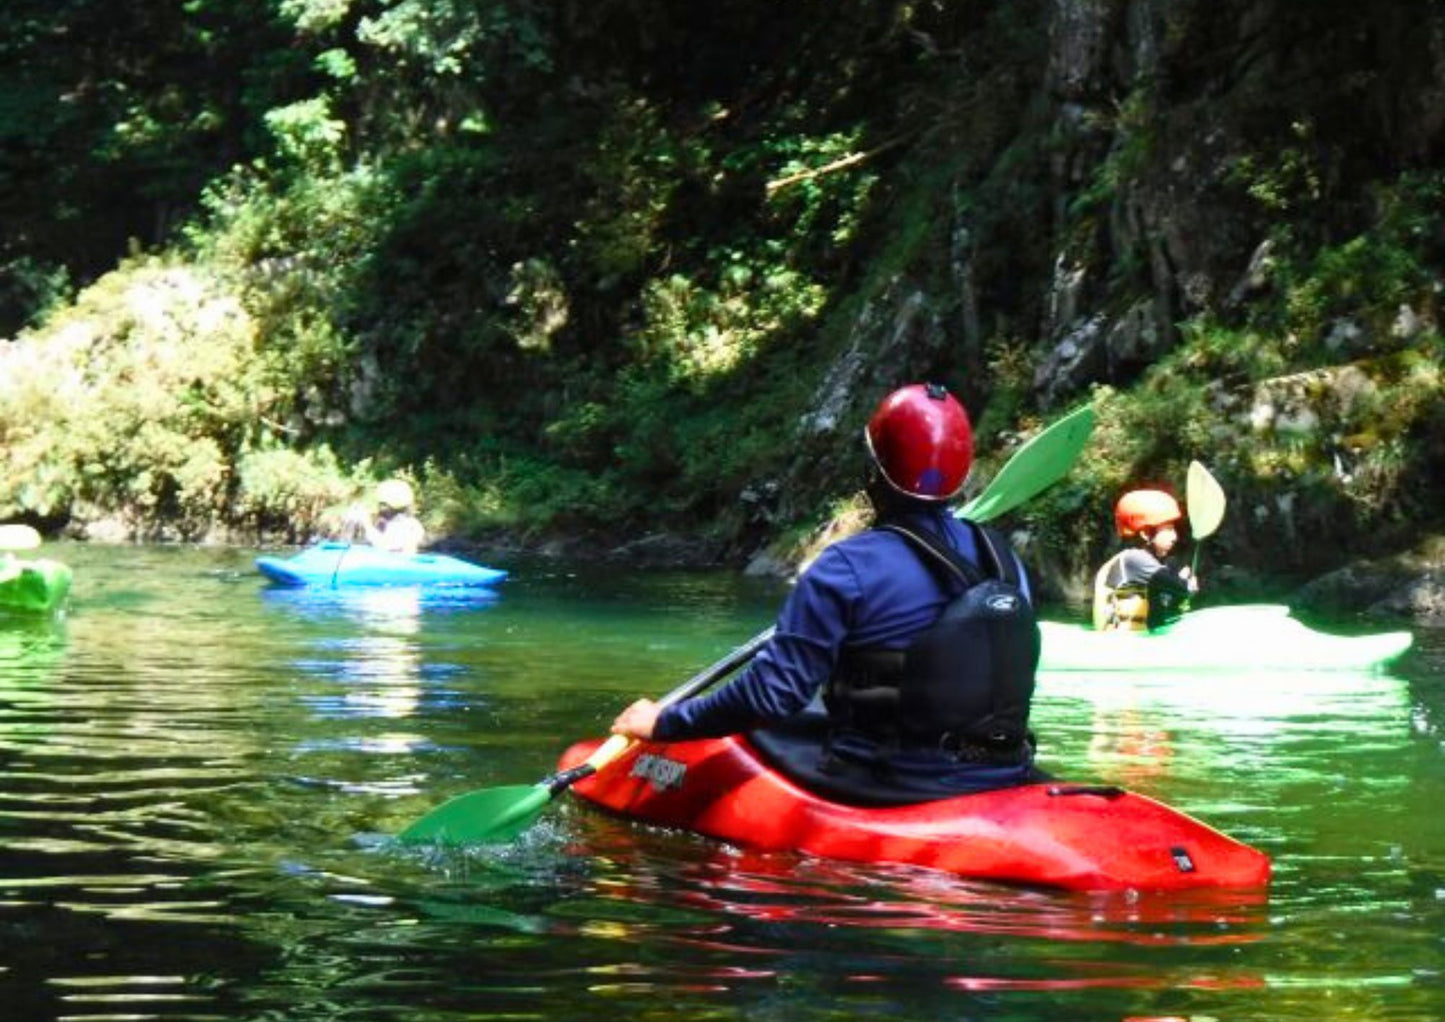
[[1053, 834]]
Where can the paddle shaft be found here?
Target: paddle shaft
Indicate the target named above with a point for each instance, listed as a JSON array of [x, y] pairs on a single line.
[[336, 571], [618, 744]]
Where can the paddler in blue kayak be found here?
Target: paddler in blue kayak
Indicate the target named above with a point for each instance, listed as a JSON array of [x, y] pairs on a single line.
[[918, 634], [1136, 589], [396, 529]]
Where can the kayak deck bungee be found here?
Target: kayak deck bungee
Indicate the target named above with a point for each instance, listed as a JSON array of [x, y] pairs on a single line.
[[1251, 636], [1052, 834], [38, 587], [338, 564]]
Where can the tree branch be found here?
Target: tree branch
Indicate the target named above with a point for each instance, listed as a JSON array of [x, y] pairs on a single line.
[[851, 160]]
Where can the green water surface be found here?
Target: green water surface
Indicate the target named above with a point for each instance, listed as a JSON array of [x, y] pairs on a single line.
[[199, 776]]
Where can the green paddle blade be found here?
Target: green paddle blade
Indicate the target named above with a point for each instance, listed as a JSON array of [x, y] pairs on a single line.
[[1034, 467], [1206, 500], [18, 537], [487, 816]]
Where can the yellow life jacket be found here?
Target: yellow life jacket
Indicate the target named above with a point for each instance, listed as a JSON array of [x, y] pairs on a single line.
[[1118, 609]]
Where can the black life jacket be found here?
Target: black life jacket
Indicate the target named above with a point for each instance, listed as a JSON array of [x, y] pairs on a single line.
[[1122, 603], [964, 683]]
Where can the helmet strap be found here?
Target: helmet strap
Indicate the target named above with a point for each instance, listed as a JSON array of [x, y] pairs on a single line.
[[889, 502]]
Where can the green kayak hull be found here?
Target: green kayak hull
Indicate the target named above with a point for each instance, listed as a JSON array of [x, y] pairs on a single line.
[[1242, 638], [39, 587]]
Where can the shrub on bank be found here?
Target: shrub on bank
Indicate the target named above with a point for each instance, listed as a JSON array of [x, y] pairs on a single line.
[[146, 403]]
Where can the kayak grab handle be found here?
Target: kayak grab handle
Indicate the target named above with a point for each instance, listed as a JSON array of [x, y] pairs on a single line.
[[1102, 790]]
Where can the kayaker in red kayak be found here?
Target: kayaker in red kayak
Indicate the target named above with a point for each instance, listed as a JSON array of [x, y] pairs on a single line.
[[1136, 589], [919, 634], [396, 529]]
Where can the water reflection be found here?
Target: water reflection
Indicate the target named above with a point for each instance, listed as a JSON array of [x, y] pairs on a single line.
[[1143, 731], [29, 650], [380, 672], [197, 777], [376, 606], [366, 672], [1237, 702], [782, 888], [721, 922]]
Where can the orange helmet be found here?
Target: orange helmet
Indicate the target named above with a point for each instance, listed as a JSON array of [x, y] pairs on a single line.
[[921, 440], [1138, 510]]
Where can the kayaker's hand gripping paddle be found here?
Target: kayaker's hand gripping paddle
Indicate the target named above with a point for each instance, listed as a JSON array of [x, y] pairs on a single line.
[[500, 814]]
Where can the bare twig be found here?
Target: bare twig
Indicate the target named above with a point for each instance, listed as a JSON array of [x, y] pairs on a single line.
[[851, 160]]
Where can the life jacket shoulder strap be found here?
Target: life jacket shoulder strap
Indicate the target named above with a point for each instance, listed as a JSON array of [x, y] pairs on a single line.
[[935, 552]]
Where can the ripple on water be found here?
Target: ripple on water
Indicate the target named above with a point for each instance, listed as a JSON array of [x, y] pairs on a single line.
[[198, 780]]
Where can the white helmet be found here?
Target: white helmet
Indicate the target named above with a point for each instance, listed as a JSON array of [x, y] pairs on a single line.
[[395, 494]]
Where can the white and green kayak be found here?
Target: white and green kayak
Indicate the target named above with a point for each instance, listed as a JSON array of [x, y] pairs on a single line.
[[1240, 638]]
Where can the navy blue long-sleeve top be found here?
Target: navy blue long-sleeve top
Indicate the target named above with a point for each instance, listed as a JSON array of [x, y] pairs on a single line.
[[871, 589]]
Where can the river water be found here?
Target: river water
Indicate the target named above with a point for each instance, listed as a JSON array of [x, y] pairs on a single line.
[[199, 776]]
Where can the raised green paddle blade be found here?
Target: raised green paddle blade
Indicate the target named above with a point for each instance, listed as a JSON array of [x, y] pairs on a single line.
[[488, 816], [1205, 498], [1034, 467]]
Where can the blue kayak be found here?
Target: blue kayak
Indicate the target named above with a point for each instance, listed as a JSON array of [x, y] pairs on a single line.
[[351, 564]]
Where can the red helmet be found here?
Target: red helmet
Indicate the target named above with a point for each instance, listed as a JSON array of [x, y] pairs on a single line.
[[1138, 510], [921, 441]]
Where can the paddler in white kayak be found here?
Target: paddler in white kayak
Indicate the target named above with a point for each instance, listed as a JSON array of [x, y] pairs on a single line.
[[1137, 589]]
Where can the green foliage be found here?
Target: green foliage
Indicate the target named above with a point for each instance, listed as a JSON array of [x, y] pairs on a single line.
[[1285, 179], [631, 173], [289, 491], [698, 332], [30, 290], [291, 245], [1371, 276], [307, 134], [126, 408], [146, 400], [585, 265], [113, 117], [829, 205], [446, 36], [313, 16], [1132, 126], [1325, 398]]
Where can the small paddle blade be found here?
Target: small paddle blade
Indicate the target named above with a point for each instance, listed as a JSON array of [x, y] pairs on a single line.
[[1206, 501], [18, 537], [1034, 467], [487, 816]]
